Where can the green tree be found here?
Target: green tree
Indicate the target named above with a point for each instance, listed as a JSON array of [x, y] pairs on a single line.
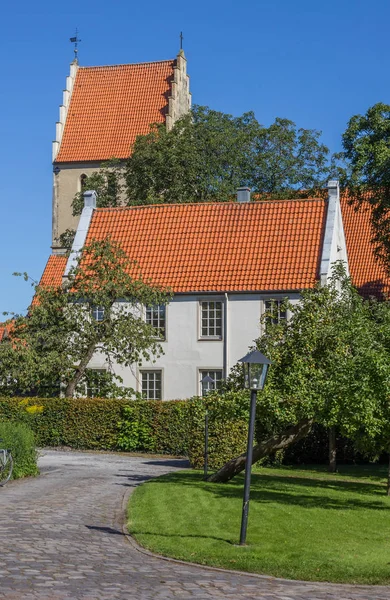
[[207, 155], [331, 365], [99, 309], [366, 144]]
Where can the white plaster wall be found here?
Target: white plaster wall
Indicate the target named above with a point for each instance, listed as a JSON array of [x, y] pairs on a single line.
[[185, 354]]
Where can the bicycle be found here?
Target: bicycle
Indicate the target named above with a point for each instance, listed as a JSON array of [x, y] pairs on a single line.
[[6, 465]]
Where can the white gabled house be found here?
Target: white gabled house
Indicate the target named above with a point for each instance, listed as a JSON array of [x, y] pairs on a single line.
[[226, 263]]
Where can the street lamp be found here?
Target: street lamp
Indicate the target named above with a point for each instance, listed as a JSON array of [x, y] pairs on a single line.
[[206, 382], [255, 373]]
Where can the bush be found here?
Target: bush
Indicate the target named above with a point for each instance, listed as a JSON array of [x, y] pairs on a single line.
[[75, 422], [20, 439], [169, 427]]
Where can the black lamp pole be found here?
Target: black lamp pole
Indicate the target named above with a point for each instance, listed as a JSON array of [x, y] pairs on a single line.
[[255, 373], [206, 382], [206, 444], [248, 468]]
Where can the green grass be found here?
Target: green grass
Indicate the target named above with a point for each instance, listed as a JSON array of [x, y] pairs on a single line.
[[303, 524]]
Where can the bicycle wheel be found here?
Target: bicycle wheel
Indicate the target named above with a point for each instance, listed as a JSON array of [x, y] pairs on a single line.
[[6, 466]]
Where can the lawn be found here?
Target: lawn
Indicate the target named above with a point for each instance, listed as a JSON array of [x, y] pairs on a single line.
[[303, 524]]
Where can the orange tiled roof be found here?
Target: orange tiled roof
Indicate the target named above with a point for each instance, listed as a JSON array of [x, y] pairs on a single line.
[[55, 267], [111, 106], [367, 273], [208, 247]]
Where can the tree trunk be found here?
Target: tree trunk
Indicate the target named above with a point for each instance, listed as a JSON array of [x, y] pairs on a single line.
[[332, 450], [388, 479], [80, 370], [276, 442]]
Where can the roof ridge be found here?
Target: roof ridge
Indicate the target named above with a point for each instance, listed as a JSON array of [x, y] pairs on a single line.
[[151, 62], [210, 203]]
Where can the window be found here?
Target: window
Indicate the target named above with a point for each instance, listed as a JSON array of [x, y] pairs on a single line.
[[95, 382], [211, 319], [151, 385], [83, 182], [155, 316], [97, 313], [275, 310], [209, 386]]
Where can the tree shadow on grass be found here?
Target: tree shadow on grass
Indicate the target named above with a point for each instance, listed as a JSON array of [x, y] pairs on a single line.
[[373, 472], [182, 536], [286, 490]]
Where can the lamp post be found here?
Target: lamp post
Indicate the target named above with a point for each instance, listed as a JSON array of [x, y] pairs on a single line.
[[206, 381], [255, 373]]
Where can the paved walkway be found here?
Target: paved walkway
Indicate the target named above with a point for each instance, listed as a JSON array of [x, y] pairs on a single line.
[[61, 539]]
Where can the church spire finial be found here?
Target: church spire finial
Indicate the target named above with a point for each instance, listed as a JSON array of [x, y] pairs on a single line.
[[75, 40], [181, 40]]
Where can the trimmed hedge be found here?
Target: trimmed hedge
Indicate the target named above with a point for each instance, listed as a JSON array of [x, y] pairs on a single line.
[[169, 427], [20, 439]]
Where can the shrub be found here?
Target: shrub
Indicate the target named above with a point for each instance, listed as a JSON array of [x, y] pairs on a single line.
[[168, 427], [20, 439]]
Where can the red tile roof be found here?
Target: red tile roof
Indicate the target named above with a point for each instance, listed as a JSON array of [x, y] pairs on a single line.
[[55, 267], [367, 273], [220, 247], [111, 106]]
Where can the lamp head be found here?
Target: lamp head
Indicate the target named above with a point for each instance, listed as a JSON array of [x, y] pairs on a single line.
[[255, 370]]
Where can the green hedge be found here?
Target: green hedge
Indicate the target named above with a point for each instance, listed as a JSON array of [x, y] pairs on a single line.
[[169, 427], [20, 439]]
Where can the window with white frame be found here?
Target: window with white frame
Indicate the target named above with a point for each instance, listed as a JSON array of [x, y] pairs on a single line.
[[97, 313], [211, 319], [209, 386], [95, 379], [156, 317], [151, 385], [275, 310]]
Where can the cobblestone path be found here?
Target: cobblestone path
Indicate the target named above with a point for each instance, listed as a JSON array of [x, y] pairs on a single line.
[[61, 539]]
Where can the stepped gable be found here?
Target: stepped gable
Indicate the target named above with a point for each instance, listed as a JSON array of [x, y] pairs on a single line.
[[110, 106]]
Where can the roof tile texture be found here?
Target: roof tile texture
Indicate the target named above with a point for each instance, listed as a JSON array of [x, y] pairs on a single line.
[[221, 246], [367, 273], [268, 246], [111, 106], [55, 267]]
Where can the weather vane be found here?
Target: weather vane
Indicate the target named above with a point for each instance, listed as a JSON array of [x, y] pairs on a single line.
[[181, 40], [75, 40]]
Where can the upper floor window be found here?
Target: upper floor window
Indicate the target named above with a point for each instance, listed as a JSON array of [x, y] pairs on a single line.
[[156, 317], [95, 382], [151, 385], [275, 310], [97, 313], [83, 182], [209, 386], [211, 319]]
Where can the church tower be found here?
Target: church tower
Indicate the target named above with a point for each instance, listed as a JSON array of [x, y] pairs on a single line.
[[104, 109]]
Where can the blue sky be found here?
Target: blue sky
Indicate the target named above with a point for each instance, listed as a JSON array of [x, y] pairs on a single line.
[[317, 63]]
